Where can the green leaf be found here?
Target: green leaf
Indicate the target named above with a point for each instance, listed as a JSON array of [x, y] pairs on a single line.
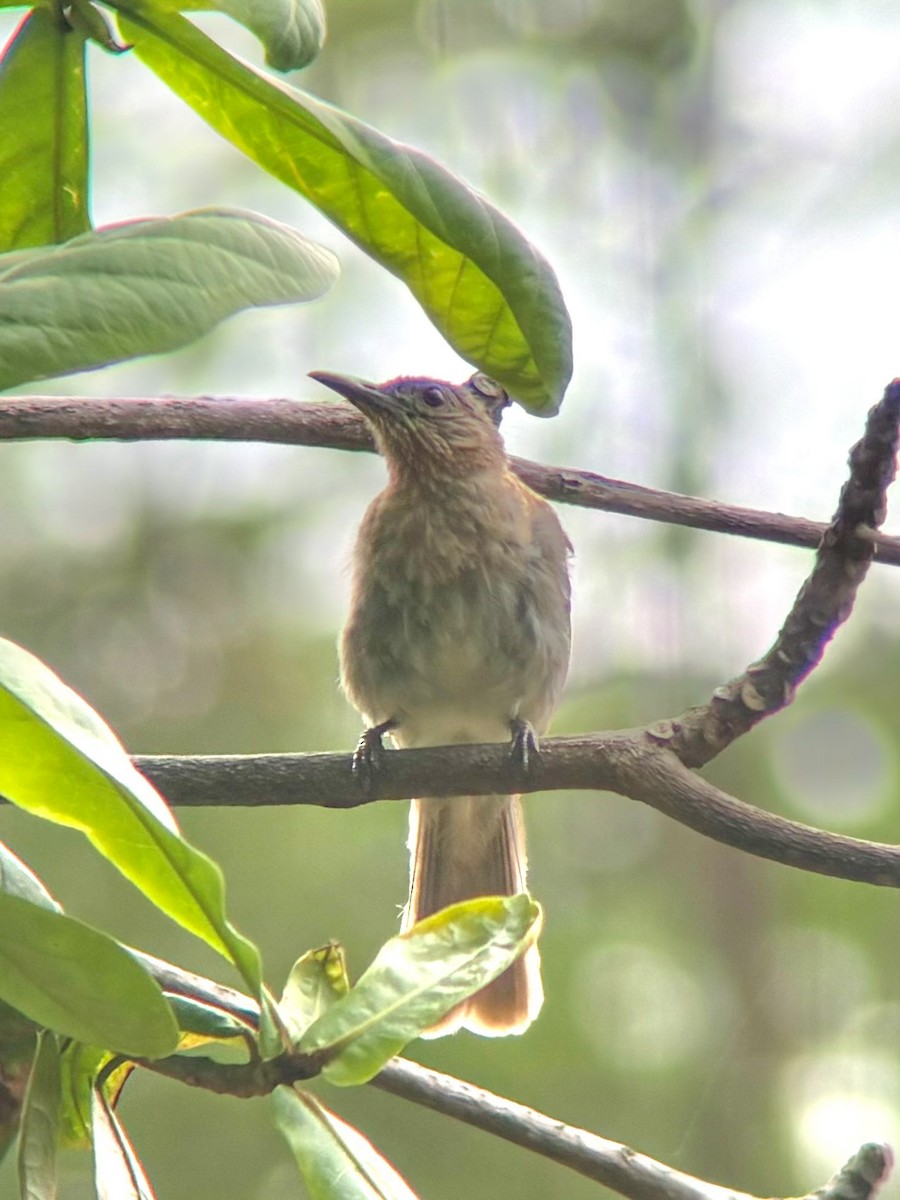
[[416, 978], [80, 1065], [39, 1130], [292, 31], [118, 1174], [205, 1022], [17, 880], [316, 980], [44, 147], [59, 760], [336, 1161], [143, 287], [94, 24], [80, 982], [486, 288]]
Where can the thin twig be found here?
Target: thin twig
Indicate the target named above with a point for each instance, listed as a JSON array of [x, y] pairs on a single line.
[[612, 1164], [337, 426], [616, 1166]]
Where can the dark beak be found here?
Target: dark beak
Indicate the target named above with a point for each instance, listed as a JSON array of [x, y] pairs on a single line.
[[367, 397]]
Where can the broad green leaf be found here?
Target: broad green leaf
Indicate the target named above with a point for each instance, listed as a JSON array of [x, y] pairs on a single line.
[[291, 31], [44, 146], [39, 1133], [59, 760], [39, 1130], [80, 982], [143, 287], [316, 980], [336, 1161], [486, 288], [118, 1174], [416, 978], [17, 880]]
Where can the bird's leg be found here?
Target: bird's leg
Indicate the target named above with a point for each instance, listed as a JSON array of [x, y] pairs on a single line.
[[370, 748], [524, 744]]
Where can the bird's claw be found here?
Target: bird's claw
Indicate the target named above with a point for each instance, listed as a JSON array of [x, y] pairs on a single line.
[[369, 751], [524, 747]]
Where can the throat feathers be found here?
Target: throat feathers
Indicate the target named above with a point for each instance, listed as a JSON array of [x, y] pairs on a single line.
[[458, 632]]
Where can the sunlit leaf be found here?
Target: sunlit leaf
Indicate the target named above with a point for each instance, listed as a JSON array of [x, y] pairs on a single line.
[[335, 1160], [118, 1174], [44, 147], [143, 287], [416, 978], [59, 760], [39, 1130], [316, 980], [69, 977], [486, 288]]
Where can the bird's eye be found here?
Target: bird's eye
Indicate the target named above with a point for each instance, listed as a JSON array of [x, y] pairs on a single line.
[[433, 397]]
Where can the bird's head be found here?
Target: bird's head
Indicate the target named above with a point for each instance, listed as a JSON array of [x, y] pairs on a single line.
[[427, 425]]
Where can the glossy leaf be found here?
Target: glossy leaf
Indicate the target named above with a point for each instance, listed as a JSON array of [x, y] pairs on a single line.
[[118, 1174], [143, 287], [416, 978], [66, 976], [316, 980], [44, 147], [59, 760], [39, 1130], [336, 1161], [486, 288]]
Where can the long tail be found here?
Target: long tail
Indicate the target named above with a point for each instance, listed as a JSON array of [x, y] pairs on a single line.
[[464, 847]]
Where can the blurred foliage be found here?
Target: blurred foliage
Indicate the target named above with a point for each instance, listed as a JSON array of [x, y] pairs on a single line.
[[715, 185]]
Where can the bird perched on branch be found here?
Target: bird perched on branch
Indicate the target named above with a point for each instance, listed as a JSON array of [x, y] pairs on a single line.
[[458, 633]]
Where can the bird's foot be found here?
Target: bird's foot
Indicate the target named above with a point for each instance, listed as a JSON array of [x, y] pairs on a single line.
[[369, 750], [523, 748]]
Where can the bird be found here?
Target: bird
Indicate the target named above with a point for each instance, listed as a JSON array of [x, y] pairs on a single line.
[[458, 632]]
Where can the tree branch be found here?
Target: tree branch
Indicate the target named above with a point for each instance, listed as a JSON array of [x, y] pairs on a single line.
[[612, 1164], [650, 764], [823, 603], [632, 762], [337, 426]]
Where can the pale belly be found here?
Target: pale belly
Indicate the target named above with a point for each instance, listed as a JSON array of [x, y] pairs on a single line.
[[456, 666]]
